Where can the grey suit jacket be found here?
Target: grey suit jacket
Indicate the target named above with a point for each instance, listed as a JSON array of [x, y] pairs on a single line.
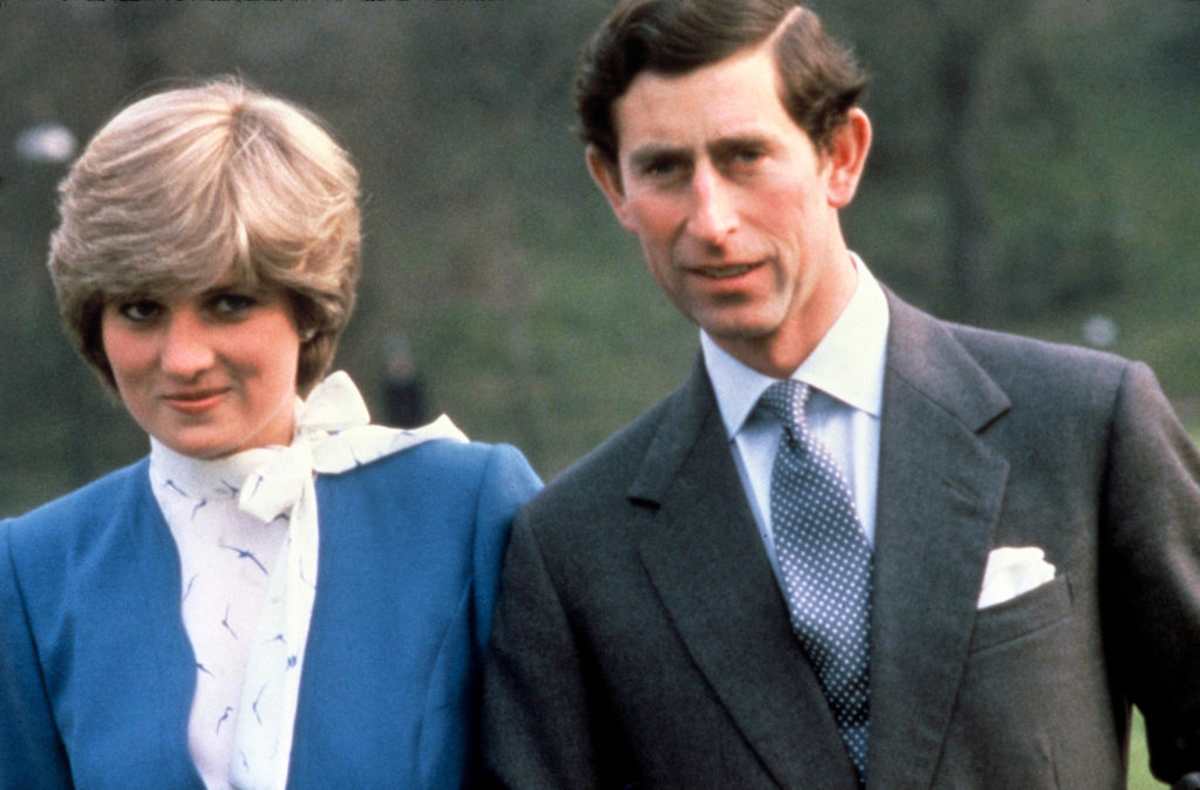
[[641, 638]]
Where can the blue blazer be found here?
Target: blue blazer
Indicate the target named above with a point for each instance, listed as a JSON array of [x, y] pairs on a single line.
[[97, 673]]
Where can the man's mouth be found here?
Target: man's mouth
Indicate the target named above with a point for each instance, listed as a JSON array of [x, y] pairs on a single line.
[[725, 271]]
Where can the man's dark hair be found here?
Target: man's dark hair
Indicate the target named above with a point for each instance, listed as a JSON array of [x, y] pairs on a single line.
[[819, 76]]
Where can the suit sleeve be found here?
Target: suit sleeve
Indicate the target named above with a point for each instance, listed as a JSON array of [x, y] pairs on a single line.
[[31, 752], [1151, 570], [535, 720]]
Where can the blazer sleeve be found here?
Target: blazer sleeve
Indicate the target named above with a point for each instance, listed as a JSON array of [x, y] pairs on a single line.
[[1150, 572], [450, 746], [508, 483], [31, 752]]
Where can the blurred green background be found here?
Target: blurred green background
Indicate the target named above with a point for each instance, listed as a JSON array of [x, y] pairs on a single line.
[[1035, 169]]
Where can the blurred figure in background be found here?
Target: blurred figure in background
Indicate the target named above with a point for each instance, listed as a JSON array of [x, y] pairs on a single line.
[[280, 593], [403, 389]]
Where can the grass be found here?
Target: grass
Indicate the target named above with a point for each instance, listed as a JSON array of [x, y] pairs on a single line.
[[1139, 761]]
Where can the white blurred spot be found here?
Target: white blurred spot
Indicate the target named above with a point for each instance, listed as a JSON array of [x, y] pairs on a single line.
[[50, 143], [1100, 331]]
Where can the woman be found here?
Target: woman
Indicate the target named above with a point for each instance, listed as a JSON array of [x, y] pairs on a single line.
[[279, 594]]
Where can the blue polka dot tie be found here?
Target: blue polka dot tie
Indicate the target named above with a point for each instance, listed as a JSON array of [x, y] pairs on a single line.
[[825, 562]]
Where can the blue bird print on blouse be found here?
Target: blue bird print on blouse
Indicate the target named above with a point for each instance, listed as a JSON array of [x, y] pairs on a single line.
[[225, 623], [196, 509], [224, 716], [258, 699], [244, 554], [191, 582]]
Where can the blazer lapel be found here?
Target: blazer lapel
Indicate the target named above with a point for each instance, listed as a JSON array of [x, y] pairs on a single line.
[[706, 560], [940, 490], [145, 620]]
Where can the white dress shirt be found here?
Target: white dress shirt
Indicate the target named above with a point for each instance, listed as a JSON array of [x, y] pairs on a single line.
[[845, 372]]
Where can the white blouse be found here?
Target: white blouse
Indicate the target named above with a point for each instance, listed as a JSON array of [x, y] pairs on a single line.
[[247, 533]]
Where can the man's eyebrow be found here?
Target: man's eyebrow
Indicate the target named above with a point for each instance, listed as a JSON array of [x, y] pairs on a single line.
[[739, 142], [652, 154]]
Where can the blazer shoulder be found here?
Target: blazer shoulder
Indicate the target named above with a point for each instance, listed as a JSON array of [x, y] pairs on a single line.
[[73, 517], [450, 467]]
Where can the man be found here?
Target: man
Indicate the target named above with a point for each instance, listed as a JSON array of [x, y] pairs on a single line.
[[941, 557]]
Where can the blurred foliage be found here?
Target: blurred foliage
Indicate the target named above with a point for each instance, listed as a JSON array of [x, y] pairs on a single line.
[[1034, 165]]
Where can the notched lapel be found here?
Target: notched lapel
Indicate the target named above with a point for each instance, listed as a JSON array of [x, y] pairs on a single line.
[[940, 491], [706, 560]]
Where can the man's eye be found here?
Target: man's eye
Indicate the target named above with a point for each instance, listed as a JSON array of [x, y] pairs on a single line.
[[140, 310], [663, 168], [747, 156], [232, 304]]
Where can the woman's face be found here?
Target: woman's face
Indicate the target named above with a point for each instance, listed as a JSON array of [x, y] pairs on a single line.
[[208, 374]]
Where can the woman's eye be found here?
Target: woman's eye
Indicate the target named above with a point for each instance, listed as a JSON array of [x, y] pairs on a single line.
[[232, 304], [140, 311]]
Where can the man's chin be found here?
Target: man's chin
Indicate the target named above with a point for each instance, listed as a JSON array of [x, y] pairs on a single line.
[[735, 330]]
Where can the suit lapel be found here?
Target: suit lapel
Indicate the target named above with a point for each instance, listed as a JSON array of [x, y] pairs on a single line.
[[706, 560], [940, 489]]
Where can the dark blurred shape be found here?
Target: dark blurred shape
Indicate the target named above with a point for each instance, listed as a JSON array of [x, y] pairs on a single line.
[[403, 389]]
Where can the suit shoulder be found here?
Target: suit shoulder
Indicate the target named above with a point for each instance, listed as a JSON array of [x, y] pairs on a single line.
[[1025, 364], [601, 479]]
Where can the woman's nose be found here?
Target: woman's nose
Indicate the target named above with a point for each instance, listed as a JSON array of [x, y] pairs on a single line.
[[186, 350]]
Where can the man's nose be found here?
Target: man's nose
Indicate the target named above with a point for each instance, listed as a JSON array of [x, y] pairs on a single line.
[[186, 349], [713, 216]]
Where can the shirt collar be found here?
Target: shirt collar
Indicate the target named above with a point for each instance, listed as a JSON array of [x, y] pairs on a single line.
[[848, 364]]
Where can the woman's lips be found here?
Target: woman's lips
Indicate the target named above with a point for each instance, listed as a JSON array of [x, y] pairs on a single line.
[[194, 402]]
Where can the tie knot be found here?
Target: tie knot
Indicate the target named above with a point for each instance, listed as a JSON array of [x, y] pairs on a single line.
[[785, 400]]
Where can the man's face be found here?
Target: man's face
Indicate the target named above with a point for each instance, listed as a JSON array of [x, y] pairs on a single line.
[[735, 208]]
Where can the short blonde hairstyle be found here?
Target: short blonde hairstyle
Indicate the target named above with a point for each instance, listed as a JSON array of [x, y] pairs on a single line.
[[185, 186]]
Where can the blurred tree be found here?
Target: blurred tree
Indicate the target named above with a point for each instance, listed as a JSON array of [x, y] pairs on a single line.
[[975, 125], [1030, 157]]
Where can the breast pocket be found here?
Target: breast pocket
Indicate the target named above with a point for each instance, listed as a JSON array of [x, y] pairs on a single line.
[[1026, 614]]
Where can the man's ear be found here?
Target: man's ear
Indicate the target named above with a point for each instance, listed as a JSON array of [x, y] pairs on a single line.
[[607, 175], [846, 157]]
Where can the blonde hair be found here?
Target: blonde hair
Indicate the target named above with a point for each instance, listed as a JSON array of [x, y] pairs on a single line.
[[186, 186]]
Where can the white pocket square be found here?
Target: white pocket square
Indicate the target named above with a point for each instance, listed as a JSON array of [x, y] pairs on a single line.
[[1011, 571]]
